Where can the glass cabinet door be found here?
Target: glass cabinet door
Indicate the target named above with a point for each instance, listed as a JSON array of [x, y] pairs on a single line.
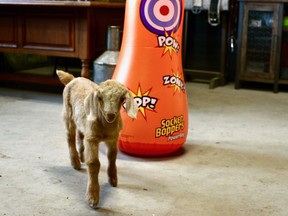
[[260, 40]]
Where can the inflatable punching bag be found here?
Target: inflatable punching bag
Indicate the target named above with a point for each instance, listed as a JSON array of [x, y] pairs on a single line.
[[150, 65]]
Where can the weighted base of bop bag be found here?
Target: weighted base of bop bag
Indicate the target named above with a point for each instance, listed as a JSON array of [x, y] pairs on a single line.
[[150, 149]]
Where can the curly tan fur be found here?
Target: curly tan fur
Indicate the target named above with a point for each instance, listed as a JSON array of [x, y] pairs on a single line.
[[92, 114]]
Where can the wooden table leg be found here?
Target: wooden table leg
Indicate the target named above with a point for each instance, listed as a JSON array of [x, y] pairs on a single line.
[[85, 68]]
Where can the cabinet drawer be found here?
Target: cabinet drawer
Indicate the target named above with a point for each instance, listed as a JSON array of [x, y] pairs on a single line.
[[49, 32]]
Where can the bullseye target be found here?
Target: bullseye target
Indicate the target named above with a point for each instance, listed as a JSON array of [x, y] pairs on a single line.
[[160, 15]]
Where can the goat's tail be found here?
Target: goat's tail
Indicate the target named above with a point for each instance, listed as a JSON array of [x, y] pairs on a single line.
[[64, 77]]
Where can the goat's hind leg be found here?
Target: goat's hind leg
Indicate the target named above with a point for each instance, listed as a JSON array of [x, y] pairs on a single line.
[[71, 135], [79, 142]]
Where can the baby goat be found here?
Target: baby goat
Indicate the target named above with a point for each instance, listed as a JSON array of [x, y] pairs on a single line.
[[92, 114]]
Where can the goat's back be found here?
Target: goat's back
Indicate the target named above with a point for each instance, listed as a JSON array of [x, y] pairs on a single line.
[[79, 88], [74, 95]]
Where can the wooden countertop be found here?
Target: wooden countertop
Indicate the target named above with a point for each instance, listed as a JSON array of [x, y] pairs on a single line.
[[68, 3]]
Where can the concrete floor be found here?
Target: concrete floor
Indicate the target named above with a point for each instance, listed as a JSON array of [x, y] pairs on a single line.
[[234, 162]]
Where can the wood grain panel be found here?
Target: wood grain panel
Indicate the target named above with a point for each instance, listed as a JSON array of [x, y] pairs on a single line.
[[49, 32], [8, 30]]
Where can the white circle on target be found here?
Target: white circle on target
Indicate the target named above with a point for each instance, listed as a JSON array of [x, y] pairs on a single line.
[[164, 10]]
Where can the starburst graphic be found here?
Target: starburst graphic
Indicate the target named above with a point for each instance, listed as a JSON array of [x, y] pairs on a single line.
[[169, 48], [176, 85], [144, 101], [169, 43], [175, 81]]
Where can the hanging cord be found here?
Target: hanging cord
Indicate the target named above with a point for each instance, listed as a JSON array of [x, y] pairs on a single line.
[[214, 12]]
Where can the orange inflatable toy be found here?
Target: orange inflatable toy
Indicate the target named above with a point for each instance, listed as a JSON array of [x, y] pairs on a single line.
[[150, 65]]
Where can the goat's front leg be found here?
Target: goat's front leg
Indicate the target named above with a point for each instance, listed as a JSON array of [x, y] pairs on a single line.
[[112, 156], [93, 165]]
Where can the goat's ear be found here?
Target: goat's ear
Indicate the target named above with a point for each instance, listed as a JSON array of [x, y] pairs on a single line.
[[90, 106], [131, 106]]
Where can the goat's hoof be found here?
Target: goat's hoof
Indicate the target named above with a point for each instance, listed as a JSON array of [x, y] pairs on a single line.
[[82, 159], [113, 182], [76, 164], [93, 201]]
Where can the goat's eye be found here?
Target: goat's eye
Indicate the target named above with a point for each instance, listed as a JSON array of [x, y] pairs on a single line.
[[100, 98], [122, 99]]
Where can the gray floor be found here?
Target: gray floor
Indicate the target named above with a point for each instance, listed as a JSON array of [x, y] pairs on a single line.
[[234, 162]]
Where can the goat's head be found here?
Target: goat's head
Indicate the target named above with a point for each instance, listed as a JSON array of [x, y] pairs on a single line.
[[107, 101]]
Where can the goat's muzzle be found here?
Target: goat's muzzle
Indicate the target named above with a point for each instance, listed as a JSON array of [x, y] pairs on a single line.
[[110, 117]]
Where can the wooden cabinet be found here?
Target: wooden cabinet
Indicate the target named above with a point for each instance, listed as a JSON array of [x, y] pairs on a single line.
[[75, 29], [205, 49], [259, 42]]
